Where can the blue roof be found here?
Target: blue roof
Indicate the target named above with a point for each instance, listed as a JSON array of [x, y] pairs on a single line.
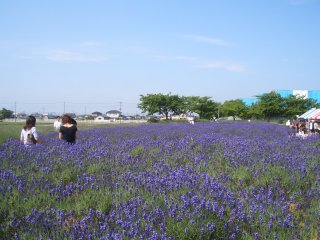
[[249, 101], [314, 94], [285, 93]]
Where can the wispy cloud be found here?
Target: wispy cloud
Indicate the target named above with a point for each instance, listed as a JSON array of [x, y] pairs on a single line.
[[175, 58], [162, 58], [86, 51], [186, 58], [229, 67], [90, 44], [198, 62], [69, 56], [237, 68], [214, 41]]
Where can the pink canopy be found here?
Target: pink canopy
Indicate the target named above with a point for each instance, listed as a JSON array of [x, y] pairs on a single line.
[[315, 116]]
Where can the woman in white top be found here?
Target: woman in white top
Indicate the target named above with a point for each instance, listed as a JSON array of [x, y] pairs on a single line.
[[57, 123], [29, 134]]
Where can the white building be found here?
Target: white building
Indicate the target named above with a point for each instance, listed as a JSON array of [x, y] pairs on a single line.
[[113, 114]]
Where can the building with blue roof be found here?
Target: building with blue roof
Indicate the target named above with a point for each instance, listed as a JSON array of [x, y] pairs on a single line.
[[250, 101], [312, 94]]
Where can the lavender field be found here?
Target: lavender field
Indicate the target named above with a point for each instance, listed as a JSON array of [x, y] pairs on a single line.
[[171, 181]]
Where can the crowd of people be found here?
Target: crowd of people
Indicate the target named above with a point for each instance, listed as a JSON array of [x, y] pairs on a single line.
[[303, 128], [65, 124]]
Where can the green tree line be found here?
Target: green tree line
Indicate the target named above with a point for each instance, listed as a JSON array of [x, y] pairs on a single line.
[[269, 106], [5, 113]]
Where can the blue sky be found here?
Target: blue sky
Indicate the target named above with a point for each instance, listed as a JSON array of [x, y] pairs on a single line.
[[94, 54]]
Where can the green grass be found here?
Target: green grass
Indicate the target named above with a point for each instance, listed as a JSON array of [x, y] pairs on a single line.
[[13, 129]]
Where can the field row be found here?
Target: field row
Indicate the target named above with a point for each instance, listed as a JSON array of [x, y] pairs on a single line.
[[172, 181]]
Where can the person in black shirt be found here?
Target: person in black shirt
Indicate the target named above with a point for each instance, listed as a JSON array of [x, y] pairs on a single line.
[[74, 122], [68, 130]]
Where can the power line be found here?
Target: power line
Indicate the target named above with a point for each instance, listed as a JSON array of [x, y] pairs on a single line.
[[15, 111], [65, 102], [69, 106]]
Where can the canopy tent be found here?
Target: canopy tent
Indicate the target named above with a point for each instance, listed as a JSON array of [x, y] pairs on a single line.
[[315, 115], [307, 116], [308, 113]]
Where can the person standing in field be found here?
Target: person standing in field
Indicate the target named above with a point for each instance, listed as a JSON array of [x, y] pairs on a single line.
[[288, 123], [73, 121], [295, 127], [190, 119], [68, 130], [29, 134], [316, 127], [57, 123]]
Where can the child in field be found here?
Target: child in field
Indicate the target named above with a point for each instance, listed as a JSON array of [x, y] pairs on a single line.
[[68, 129], [29, 134], [302, 132]]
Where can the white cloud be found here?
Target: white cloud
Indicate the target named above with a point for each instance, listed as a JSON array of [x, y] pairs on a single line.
[[205, 64], [215, 65], [171, 58], [229, 67], [162, 57], [186, 58], [68, 56], [214, 41], [90, 44], [234, 68]]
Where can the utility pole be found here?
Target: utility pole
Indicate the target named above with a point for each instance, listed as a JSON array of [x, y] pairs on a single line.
[[15, 111], [120, 111]]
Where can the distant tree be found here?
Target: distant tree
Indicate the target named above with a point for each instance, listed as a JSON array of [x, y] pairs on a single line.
[[177, 104], [234, 108], [255, 111], [297, 105], [272, 104], [5, 113], [204, 106], [161, 103], [190, 104]]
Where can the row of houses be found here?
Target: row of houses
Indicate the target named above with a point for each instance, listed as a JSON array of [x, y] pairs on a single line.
[[100, 117], [112, 114], [109, 114]]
